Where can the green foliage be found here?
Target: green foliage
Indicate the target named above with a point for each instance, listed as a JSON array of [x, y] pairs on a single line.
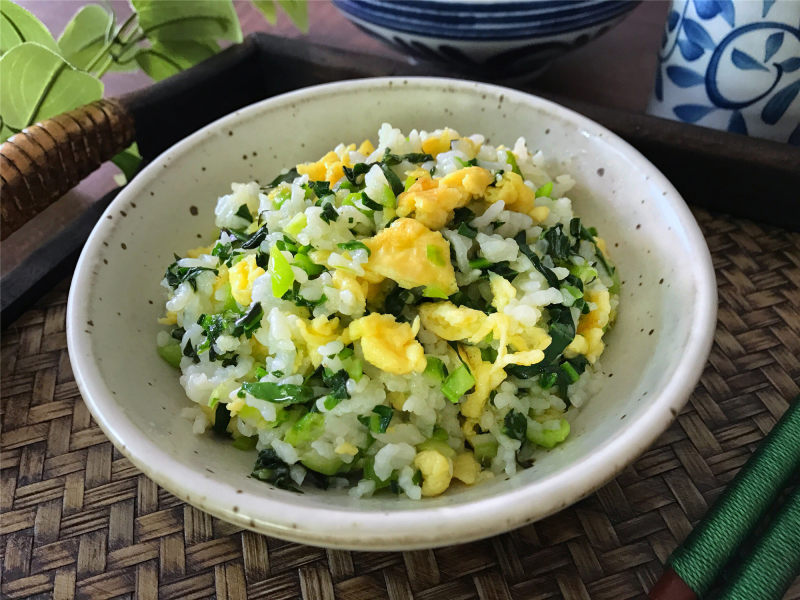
[[18, 26], [161, 37]]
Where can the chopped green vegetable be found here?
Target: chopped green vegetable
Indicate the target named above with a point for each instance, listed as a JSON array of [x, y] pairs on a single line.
[[245, 443], [286, 393], [273, 470], [466, 163], [370, 203], [570, 372], [254, 241], [296, 225], [319, 188], [354, 245], [249, 322], [329, 212], [221, 419], [281, 273], [479, 263], [379, 421], [337, 382], [176, 275], [280, 197], [357, 171], [512, 160], [551, 278], [306, 430], [545, 190], [458, 383], [435, 368], [484, 447], [434, 254], [549, 438], [309, 266], [171, 353], [327, 466], [515, 424], [244, 213], [410, 180], [394, 181], [467, 231], [557, 243], [285, 177], [433, 291]]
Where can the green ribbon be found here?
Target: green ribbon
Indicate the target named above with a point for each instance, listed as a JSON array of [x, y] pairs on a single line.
[[773, 562], [749, 496]]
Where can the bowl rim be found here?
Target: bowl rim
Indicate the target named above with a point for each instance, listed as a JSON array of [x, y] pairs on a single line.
[[422, 527]]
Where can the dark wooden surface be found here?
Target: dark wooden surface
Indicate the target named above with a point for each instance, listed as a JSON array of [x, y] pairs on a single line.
[[616, 70]]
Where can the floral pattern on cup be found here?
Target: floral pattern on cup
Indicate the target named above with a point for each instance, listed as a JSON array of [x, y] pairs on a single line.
[[732, 65]]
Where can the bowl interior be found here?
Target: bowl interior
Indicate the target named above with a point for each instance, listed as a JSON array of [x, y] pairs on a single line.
[[654, 354]]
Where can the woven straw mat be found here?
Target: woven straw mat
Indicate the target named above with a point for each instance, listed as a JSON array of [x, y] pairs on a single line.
[[79, 521]]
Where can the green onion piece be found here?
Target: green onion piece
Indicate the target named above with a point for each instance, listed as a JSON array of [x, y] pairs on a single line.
[[484, 447], [545, 190], [354, 245], [331, 401], [296, 225], [435, 368], [515, 425], [171, 353], [439, 434], [306, 430], [547, 380], [479, 263], [244, 213], [309, 266], [512, 160], [570, 371], [260, 372], [458, 383], [549, 438], [354, 368], [387, 197], [379, 421], [281, 197], [434, 254], [221, 419], [433, 291], [345, 353], [282, 274], [245, 443], [410, 180]]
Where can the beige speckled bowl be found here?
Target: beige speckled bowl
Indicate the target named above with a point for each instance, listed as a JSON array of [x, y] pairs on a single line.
[[656, 351]]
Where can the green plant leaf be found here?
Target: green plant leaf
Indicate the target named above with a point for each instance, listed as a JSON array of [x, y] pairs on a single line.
[[18, 26], [128, 161], [44, 85], [267, 8], [177, 20], [297, 11], [86, 34], [165, 59]]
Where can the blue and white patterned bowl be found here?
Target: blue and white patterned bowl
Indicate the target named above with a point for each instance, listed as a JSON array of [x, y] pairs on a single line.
[[493, 37], [732, 65]]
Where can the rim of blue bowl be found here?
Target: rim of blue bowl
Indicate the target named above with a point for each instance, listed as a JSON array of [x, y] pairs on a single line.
[[466, 27]]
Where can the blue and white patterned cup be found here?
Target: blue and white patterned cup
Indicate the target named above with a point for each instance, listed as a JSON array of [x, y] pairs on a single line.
[[732, 65]]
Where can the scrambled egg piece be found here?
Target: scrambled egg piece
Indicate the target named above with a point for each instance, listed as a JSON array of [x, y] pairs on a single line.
[[511, 189], [171, 318], [502, 291], [242, 275], [347, 449], [437, 471], [387, 344], [466, 468], [344, 281], [487, 377], [436, 144], [330, 167], [599, 316], [200, 250], [401, 252], [433, 201], [450, 322], [316, 333]]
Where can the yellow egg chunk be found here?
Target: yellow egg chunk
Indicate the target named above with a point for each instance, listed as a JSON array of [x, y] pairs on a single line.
[[346, 448], [578, 345], [437, 471], [503, 291], [366, 148], [594, 342], [171, 318], [402, 253], [539, 213], [329, 168], [440, 142], [344, 281], [487, 377], [450, 322], [599, 316], [387, 344], [511, 189], [433, 200], [242, 275], [601, 244], [316, 333], [199, 251], [466, 468]]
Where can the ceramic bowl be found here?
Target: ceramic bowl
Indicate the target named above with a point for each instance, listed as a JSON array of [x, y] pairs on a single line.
[[656, 351], [499, 39]]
